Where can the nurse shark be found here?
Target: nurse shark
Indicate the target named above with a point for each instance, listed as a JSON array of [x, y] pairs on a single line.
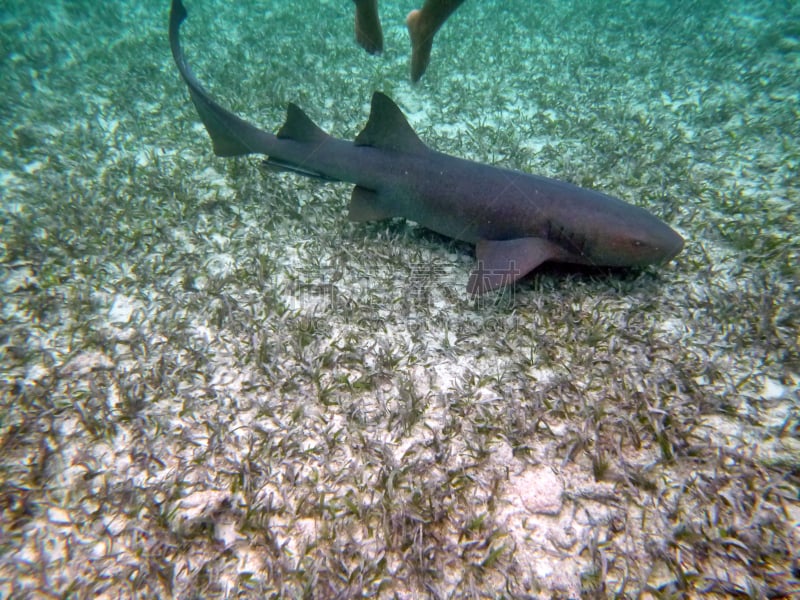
[[516, 220]]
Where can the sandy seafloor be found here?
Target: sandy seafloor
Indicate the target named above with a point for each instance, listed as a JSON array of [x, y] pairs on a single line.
[[214, 385]]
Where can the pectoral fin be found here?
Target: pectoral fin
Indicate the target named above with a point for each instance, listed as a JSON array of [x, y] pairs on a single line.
[[366, 205], [503, 262]]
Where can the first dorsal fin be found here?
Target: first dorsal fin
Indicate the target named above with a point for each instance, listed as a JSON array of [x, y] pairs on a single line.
[[299, 127], [387, 128]]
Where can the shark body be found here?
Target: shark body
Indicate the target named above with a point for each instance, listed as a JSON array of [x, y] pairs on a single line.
[[516, 220]]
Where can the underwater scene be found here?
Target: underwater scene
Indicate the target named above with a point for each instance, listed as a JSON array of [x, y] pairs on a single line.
[[225, 377]]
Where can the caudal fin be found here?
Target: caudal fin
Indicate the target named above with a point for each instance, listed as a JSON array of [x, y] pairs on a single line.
[[232, 135]]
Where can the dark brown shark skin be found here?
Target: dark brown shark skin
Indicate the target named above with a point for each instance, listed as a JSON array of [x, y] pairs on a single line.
[[516, 220]]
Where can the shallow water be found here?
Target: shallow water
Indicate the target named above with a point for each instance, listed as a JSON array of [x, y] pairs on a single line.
[[213, 383]]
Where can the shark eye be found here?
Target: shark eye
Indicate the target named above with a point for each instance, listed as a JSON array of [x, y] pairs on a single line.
[[641, 243]]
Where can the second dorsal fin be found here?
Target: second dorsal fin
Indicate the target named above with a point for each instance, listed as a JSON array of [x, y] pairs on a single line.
[[388, 128], [299, 127]]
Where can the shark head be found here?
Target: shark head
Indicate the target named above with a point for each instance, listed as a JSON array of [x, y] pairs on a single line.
[[630, 237]]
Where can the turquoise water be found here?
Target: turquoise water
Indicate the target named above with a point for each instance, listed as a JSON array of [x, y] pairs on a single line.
[[213, 383]]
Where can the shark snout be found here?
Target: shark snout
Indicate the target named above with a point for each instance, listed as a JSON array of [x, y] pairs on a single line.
[[651, 243], [670, 243]]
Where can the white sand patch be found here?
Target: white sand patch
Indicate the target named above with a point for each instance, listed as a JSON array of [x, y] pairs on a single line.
[[220, 265], [84, 363], [8, 180], [773, 389], [206, 508], [537, 491], [19, 278], [122, 308], [34, 167]]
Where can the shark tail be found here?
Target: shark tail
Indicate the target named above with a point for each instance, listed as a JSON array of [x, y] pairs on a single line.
[[231, 135]]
